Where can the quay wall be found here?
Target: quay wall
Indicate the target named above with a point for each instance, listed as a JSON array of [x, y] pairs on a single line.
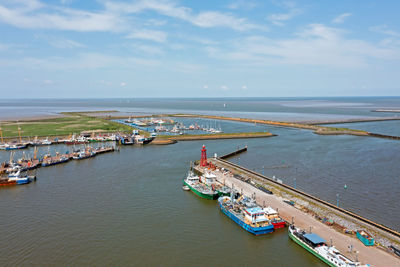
[[376, 227]]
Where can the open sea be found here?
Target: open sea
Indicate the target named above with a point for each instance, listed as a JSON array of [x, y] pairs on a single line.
[[128, 208]]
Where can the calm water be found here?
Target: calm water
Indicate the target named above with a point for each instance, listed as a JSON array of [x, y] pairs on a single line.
[[128, 208], [302, 109]]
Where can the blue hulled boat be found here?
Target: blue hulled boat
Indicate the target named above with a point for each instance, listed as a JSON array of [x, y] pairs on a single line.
[[248, 215]]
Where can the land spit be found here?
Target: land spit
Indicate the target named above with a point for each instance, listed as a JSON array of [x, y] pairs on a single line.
[[306, 213], [321, 130]]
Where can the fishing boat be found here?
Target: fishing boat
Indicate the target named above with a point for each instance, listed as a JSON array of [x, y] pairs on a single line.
[[246, 214], [274, 217], [49, 161], [12, 146], [210, 179], [142, 140], [365, 238], [316, 245], [84, 155], [44, 142], [20, 180], [76, 141], [199, 188]]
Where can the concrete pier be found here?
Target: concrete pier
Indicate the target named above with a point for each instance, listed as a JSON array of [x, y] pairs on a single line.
[[304, 218]]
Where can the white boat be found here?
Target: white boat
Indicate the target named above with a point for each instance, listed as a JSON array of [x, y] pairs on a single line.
[[317, 246]]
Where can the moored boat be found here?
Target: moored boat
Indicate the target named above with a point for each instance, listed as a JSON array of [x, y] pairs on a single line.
[[54, 161], [76, 141], [84, 155], [274, 217], [199, 188], [13, 146], [246, 214], [365, 238], [317, 246]]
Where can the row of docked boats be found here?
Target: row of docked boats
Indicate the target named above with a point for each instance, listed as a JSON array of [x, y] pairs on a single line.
[[25, 164], [241, 209], [78, 140], [257, 220]]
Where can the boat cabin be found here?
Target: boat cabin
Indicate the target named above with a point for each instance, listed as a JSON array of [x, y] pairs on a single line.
[[209, 179], [271, 213], [255, 215], [314, 240]]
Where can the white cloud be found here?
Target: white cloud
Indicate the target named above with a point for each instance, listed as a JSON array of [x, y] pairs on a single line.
[[279, 19], [83, 61], [123, 84], [216, 19], [205, 86], [205, 19], [35, 15], [341, 18], [244, 87], [156, 36], [224, 88], [148, 49], [48, 82], [242, 4], [383, 29], [315, 45], [4, 47], [65, 43]]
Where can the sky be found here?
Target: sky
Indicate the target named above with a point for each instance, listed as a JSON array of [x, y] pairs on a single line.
[[172, 48]]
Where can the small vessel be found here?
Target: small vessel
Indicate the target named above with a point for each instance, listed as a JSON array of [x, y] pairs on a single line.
[[186, 188], [365, 238], [44, 142], [317, 246], [274, 217], [12, 146], [20, 180], [84, 155], [199, 188], [76, 141], [246, 214], [49, 161]]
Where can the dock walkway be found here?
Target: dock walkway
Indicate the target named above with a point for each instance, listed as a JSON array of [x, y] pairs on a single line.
[[371, 255]]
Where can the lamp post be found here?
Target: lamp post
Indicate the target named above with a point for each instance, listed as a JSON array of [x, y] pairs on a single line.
[[263, 171], [337, 199], [294, 179]]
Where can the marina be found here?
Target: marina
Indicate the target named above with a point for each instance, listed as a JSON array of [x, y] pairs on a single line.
[[249, 211]]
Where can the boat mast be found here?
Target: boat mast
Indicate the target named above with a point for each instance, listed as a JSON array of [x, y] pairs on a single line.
[[35, 152], [1, 135], [19, 134]]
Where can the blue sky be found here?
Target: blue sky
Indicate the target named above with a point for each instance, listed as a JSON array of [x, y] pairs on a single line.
[[148, 48]]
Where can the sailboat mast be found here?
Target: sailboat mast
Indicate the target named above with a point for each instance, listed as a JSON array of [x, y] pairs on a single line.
[[19, 134], [1, 135]]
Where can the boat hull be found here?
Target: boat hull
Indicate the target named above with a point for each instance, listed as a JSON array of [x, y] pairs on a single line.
[[278, 225], [248, 228], [200, 194], [44, 164], [366, 241], [299, 242]]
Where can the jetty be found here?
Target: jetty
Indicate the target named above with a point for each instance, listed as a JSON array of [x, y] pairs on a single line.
[[305, 210]]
